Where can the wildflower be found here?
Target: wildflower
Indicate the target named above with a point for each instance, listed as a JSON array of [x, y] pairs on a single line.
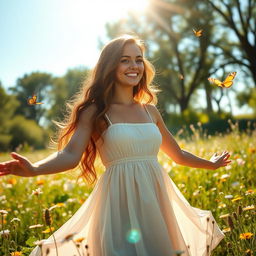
[[40, 182], [222, 205], [5, 232], [195, 193], [12, 181], [16, 253], [60, 204], [225, 230], [250, 207], [249, 191], [247, 235], [252, 150], [228, 196], [215, 174], [15, 219], [48, 230], [56, 205], [3, 212], [224, 216], [37, 192], [237, 198], [240, 161], [68, 186], [225, 176], [228, 167], [181, 185], [36, 226]]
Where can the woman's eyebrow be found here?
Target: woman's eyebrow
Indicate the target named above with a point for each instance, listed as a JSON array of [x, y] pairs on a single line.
[[127, 56]]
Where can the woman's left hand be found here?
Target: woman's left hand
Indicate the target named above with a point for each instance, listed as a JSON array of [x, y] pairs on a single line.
[[220, 160]]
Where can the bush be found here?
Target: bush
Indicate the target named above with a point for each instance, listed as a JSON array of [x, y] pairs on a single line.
[[26, 132]]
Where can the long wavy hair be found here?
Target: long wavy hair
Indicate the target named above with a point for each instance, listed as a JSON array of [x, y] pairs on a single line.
[[98, 89]]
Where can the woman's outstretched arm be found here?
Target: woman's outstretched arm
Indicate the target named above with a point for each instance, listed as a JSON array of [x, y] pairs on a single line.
[[60, 161], [182, 157]]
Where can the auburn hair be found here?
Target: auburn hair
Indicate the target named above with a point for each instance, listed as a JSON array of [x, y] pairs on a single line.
[[98, 89]]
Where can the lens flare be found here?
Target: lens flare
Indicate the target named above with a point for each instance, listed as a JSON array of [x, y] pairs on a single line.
[[133, 236]]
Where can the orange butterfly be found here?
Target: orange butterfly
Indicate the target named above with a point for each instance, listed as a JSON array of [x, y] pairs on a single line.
[[226, 83], [32, 101], [198, 33]]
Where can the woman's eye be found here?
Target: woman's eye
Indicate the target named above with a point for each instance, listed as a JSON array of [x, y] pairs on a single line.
[[139, 60], [124, 61]]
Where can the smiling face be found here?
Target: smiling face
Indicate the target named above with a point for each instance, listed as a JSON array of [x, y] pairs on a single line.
[[131, 66]]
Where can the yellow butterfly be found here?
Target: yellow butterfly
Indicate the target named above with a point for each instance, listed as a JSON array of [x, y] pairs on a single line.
[[198, 32], [32, 101], [226, 83]]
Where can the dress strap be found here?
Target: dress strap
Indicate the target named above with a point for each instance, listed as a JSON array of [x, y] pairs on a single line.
[[108, 118], [148, 113]]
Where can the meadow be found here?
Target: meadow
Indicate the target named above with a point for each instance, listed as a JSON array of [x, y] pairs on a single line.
[[229, 192]]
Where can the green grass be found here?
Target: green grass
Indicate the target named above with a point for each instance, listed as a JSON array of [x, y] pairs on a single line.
[[204, 189]]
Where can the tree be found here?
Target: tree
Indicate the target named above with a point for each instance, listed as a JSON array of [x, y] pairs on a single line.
[[240, 18], [62, 90], [37, 83], [182, 60]]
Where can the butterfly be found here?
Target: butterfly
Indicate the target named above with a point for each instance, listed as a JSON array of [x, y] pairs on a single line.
[[32, 101], [198, 33], [226, 83]]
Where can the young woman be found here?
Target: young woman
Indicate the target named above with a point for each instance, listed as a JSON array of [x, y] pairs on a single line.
[[134, 208]]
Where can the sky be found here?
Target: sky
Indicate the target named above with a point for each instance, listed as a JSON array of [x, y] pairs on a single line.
[[56, 35], [53, 35]]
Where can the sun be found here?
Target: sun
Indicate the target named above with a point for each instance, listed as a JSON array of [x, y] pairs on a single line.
[[120, 8], [137, 6]]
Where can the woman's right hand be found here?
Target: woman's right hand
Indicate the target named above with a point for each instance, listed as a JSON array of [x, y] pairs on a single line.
[[20, 166]]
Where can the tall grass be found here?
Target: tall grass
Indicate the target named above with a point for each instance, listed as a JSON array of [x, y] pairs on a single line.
[[229, 192]]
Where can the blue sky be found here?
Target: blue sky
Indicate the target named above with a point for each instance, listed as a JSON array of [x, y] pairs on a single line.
[[50, 35], [55, 35]]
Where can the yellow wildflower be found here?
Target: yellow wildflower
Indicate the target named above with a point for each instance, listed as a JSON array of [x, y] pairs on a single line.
[[250, 207], [237, 198], [252, 150], [60, 204], [40, 182], [224, 216], [247, 235], [222, 205], [226, 230], [48, 230], [12, 181], [16, 253]]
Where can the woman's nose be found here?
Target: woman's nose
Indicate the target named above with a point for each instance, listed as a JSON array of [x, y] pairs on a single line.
[[133, 64]]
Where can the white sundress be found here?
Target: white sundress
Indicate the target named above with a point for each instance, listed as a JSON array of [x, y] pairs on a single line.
[[135, 209]]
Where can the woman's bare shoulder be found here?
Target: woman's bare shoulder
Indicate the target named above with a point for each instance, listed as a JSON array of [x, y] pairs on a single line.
[[88, 113], [154, 112]]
